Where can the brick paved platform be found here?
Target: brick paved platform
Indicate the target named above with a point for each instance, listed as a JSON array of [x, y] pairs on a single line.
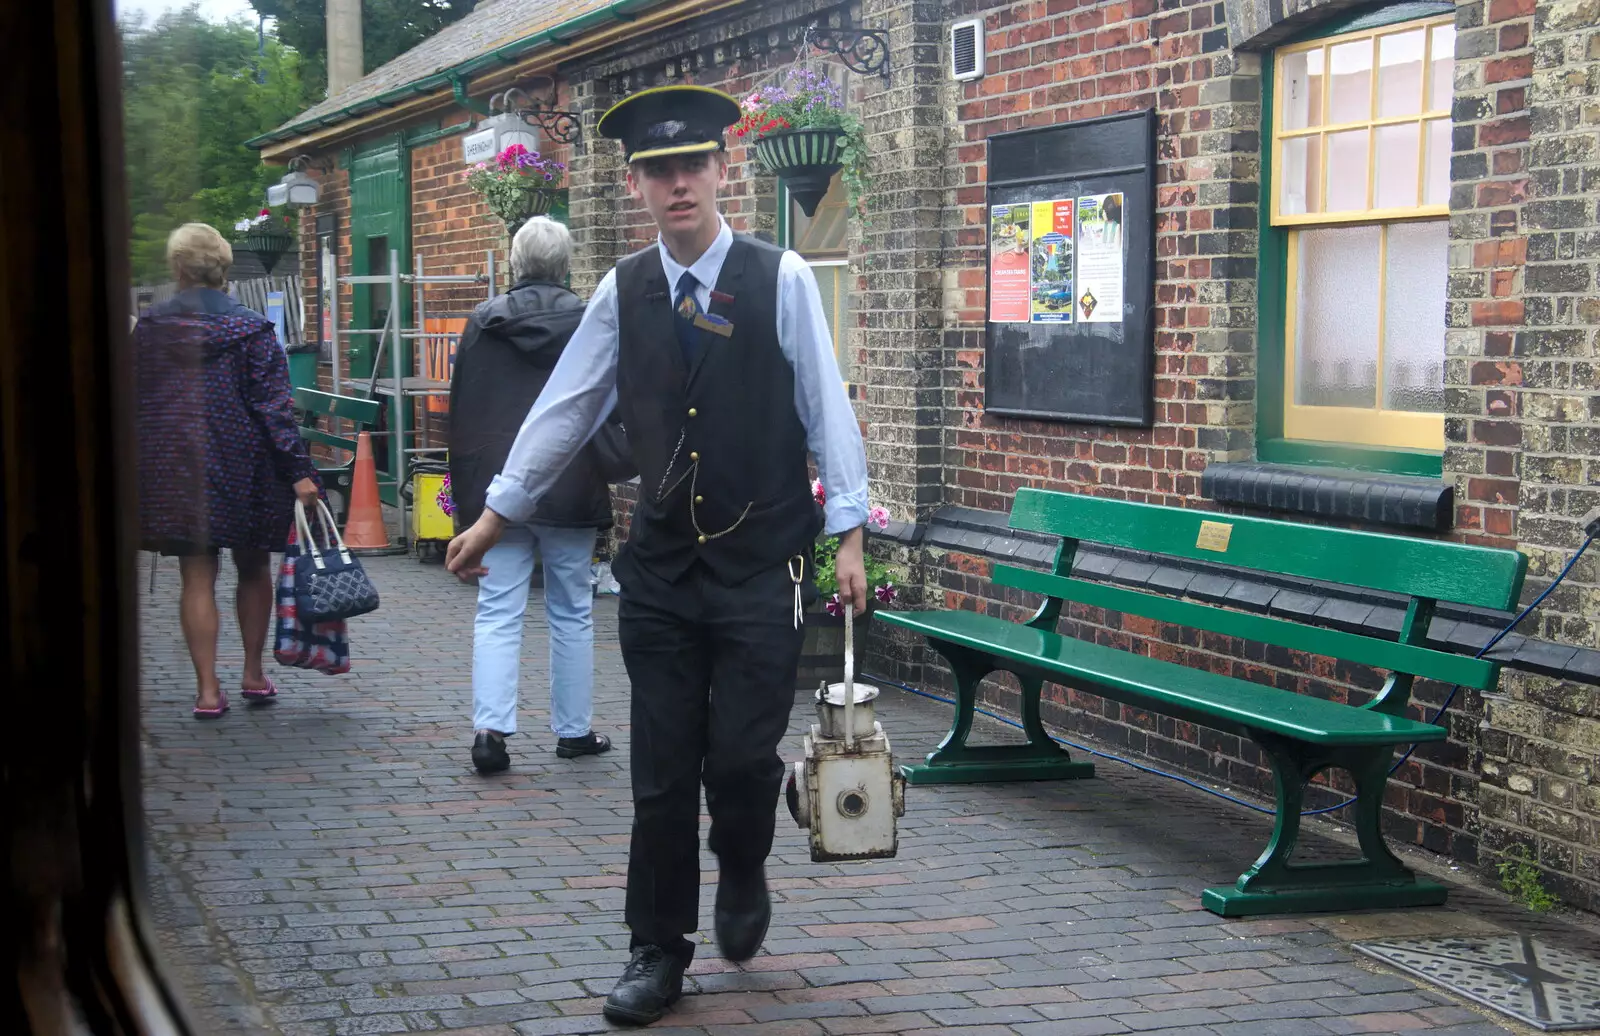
[[331, 864]]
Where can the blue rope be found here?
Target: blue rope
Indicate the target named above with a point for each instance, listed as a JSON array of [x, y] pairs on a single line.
[[1143, 768]]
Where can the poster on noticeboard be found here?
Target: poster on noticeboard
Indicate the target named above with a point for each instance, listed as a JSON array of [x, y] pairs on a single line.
[[1051, 262], [1100, 259], [1009, 257]]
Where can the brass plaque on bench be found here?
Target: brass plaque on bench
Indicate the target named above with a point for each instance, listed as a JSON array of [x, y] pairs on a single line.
[[1214, 536]]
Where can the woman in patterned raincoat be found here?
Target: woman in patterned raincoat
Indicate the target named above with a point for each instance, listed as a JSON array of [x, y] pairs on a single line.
[[221, 460]]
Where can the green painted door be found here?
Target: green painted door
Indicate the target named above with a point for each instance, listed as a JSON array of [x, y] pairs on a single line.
[[380, 227]]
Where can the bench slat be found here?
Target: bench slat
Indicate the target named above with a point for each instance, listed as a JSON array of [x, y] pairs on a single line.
[[338, 442], [1479, 576], [1352, 647], [361, 411], [1208, 698]]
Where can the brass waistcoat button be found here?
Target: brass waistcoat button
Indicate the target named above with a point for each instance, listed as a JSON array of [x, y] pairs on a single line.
[[702, 540], [699, 499], [694, 456], [693, 412]]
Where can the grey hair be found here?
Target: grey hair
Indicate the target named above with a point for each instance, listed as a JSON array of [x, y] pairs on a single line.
[[542, 251]]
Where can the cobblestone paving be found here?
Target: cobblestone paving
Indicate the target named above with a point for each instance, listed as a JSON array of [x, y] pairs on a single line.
[[330, 864]]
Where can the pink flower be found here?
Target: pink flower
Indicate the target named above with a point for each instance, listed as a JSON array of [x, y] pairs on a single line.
[[834, 606], [879, 516], [885, 593], [818, 493]]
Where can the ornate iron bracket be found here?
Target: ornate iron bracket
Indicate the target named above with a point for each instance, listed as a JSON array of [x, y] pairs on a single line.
[[863, 51], [564, 127]]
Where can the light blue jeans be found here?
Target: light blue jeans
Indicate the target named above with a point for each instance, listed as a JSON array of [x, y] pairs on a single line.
[[497, 631]]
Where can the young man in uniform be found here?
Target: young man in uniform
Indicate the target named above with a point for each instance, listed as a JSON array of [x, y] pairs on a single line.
[[717, 350]]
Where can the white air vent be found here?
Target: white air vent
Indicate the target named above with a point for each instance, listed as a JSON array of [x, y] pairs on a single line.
[[966, 49]]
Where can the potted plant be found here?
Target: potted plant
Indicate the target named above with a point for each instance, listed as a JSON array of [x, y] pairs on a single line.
[[822, 652], [803, 134], [265, 236], [517, 186]]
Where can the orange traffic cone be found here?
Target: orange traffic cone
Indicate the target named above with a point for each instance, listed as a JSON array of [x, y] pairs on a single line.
[[364, 530]]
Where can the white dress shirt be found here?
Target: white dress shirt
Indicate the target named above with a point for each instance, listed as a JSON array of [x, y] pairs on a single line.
[[582, 391]]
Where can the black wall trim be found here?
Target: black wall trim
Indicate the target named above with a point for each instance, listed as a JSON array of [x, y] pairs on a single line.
[[1415, 503], [1456, 629]]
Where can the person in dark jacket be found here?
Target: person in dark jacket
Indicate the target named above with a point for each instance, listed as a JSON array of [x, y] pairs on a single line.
[[507, 351], [221, 460]]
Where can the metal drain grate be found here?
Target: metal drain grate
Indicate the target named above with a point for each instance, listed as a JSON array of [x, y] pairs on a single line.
[[1540, 985]]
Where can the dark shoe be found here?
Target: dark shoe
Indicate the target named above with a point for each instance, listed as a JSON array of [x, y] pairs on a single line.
[[743, 912], [489, 752], [651, 983], [589, 744]]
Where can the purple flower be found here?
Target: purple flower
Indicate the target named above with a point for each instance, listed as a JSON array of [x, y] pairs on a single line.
[[834, 606], [885, 593]]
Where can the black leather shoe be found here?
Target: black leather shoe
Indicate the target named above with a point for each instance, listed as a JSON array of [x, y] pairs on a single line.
[[651, 983], [489, 752], [589, 744], [744, 910]]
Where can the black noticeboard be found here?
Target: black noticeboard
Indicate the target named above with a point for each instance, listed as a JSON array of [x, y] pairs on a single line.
[[1071, 271]]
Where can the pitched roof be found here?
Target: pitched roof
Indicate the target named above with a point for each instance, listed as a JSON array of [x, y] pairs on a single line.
[[492, 25]]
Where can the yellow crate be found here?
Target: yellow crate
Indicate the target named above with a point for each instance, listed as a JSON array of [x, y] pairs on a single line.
[[428, 522]]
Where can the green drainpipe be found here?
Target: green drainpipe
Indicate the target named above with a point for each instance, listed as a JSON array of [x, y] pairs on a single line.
[[458, 90]]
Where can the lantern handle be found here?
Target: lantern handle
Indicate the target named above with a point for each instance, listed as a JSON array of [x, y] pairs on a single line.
[[849, 677]]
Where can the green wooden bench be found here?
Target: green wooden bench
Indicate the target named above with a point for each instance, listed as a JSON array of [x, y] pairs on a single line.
[[315, 407], [1301, 736]]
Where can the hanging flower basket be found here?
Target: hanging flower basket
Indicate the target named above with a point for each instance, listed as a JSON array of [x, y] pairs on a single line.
[[531, 201], [268, 246], [803, 133], [806, 159], [265, 238], [517, 186]]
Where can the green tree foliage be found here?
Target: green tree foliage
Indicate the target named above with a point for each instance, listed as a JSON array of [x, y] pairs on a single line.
[[193, 92], [389, 28]]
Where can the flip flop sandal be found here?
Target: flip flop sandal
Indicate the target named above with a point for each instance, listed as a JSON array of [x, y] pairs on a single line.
[[260, 694], [216, 713]]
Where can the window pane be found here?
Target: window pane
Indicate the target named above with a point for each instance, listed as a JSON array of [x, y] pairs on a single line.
[[1441, 75], [825, 234], [1347, 170], [1396, 185], [1352, 82], [1300, 179], [1436, 189], [1301, 103], [832, 285], [1336, 317], [1413, 316], [1400, 73]]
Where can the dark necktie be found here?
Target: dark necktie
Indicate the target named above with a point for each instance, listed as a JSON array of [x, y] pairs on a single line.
[[687, 309]]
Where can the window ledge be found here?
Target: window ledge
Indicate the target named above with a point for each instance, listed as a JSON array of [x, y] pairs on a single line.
[[1412, 503]]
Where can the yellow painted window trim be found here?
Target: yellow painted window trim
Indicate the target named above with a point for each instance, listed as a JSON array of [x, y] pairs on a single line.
[[1324, 128], [1351, 425], [1361, 426]]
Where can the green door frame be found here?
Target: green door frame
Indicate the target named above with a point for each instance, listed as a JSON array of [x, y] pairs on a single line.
[[380, 208]]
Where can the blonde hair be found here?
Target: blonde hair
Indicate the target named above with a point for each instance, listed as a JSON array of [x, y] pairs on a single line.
[[198, 254]]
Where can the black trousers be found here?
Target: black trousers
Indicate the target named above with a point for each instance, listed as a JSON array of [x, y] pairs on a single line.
[[713, 672]]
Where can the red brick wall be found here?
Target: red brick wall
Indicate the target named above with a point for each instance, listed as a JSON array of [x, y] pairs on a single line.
[[1058, 61]]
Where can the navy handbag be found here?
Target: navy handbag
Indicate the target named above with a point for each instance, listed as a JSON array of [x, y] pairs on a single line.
[[329, 582]]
